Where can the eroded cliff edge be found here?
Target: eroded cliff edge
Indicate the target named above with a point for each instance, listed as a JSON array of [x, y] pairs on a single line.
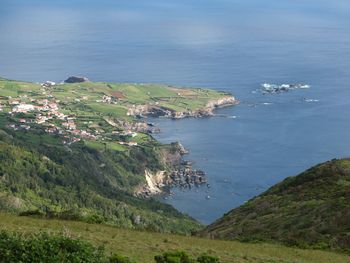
[[177, 172], [163, 111]]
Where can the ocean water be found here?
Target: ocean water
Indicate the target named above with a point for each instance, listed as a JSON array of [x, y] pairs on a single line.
[[231, 45]]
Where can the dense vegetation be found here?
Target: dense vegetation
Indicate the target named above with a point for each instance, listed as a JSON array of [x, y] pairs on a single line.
[[142, 247], [42, 247], [47, 179], [311, 210]]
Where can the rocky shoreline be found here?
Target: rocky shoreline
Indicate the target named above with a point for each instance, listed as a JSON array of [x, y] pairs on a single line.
[[185, 176], [179, 173], [142, 111]]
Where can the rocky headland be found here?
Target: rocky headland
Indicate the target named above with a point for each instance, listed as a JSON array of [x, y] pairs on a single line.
[[161, 111]]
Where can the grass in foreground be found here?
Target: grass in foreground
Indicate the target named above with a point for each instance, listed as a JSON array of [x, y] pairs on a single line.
[[143, 246]]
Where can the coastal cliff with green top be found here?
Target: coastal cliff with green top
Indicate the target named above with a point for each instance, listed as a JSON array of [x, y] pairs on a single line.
[[82, 150]]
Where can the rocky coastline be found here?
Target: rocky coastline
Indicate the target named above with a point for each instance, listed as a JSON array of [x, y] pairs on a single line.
[[179, 173], [142, 111]]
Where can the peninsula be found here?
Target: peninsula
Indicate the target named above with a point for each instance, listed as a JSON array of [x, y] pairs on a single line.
[[85, 150]]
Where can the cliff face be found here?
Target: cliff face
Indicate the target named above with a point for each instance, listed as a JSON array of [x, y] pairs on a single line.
[[178, 172], [309, 210], [155, 181], [224, 101], [170, 156]]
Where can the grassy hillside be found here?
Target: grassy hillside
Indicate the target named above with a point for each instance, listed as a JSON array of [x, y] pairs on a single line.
[[75, 151], [143, 246], [47, 179], [308, 210]]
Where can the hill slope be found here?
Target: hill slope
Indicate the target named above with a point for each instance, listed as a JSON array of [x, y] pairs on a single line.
[[52, 181], [82, 151], [309, 210], [143, 246]]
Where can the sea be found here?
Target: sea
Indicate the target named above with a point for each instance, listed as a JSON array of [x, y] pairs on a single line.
[[229, 45]]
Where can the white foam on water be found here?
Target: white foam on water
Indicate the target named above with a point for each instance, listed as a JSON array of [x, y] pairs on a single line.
[[274, 88], [311, 100]]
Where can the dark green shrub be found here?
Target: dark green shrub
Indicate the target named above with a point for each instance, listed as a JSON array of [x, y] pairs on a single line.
[[36, 212], [207, 259], [120, 259], [182, 257], [174, 257], [72, 214], [45, 248], [94, 219]]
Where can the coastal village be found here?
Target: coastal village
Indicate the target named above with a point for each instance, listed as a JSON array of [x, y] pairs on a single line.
[[78, 109], [27, 112]]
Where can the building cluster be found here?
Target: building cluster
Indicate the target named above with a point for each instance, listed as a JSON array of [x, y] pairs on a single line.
[[41, 105], [128, 143], [129, 133], [84, 134], [17, 127], [48, 84], [46, 113], [107, 99]]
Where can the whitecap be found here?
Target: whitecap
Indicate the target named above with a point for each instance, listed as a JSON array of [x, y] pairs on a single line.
[[304, 86], [311, 100]]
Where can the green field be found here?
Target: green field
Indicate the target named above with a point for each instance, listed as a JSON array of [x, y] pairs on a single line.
[[143, 246], [101, 146], [177, 99]]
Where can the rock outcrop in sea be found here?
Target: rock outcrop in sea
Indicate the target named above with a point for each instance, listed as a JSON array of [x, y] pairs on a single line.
[[76, 79], [273, 88]]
